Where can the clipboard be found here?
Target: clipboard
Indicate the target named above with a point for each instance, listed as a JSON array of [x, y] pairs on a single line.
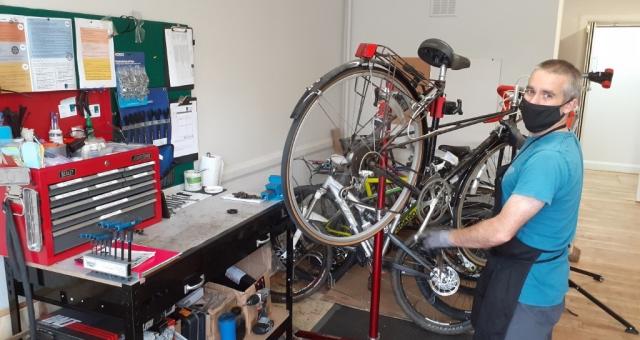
[[180, 58]]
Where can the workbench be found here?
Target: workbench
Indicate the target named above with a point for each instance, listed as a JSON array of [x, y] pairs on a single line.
[[208, 239]]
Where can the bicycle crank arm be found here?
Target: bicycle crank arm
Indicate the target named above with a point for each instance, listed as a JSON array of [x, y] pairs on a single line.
[[427, 218], [398, 242], [409, 271]]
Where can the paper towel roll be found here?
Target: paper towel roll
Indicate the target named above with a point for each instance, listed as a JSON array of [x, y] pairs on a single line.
[[211, 167]]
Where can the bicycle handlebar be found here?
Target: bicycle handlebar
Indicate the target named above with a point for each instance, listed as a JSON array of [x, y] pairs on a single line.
[[602, 78]]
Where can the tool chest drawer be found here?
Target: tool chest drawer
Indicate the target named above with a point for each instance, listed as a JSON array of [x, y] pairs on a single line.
[[68, 238], [79, 204]]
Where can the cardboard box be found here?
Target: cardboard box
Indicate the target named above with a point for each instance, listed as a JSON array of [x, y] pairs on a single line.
[[258, 266]]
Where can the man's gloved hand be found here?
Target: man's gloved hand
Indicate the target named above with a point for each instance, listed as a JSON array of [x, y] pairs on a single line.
[[516, 139], [434, 238]]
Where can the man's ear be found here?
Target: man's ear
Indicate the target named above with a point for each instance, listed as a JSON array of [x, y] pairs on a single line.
[[571, 105]]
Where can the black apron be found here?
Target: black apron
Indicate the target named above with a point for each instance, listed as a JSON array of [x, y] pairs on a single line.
[[499, 286]]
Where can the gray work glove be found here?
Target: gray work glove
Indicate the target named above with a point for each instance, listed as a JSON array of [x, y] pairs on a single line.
[[435, 238], [515, 138]]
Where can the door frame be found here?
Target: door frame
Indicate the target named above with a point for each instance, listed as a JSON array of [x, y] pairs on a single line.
[[586, 84]]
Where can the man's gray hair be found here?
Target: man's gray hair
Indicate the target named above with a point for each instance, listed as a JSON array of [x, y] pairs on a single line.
[[562, 67]]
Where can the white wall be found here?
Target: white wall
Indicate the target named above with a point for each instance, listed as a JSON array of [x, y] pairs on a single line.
[[253, 60], [517, 34]]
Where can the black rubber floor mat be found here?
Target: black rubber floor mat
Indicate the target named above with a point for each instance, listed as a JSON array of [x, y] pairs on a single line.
[[346, 322]]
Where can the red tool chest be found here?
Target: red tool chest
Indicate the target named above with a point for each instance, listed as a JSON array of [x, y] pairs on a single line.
[[75, 196]]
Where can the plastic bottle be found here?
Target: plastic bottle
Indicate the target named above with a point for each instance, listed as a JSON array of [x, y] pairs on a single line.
[[55, 134], [241, 279]]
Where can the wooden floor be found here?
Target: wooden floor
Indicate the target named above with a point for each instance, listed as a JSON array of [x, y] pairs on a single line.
[[609, 238]]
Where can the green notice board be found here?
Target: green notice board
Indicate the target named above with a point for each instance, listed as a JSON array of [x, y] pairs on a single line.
[[153, 47]]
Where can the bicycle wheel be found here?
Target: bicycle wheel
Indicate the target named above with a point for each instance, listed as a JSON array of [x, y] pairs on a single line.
[[431, 301], [476, 197], [368, 108], [312, 261]]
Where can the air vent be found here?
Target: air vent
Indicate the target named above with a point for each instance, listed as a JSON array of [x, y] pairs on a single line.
[[443, 8]]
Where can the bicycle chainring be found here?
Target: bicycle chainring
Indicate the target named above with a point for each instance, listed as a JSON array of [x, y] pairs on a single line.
[[434, 187], [444, 280]]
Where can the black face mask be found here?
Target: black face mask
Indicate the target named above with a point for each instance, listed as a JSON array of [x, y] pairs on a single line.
[[538, 117]]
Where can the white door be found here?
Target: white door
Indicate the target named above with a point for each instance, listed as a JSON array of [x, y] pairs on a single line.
[[610, 132]]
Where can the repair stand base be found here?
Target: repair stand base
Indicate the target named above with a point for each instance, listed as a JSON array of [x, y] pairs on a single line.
[[629, 328]]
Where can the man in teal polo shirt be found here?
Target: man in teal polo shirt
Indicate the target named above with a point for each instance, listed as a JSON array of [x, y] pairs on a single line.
[[530, 236]]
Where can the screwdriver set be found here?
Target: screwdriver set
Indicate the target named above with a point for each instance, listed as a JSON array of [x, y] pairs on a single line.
[[147, 127], [149, 123]]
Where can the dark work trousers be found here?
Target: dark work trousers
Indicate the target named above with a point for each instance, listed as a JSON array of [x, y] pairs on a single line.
[[533, 322]]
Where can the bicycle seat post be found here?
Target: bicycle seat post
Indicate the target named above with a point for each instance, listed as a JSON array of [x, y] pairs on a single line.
[[443, 73]]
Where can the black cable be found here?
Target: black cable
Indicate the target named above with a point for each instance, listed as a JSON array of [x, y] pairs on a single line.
[[18, 265]]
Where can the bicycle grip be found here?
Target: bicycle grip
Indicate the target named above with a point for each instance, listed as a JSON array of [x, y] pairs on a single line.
[[502, 89]]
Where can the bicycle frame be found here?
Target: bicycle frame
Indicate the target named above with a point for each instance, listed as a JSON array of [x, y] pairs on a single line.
[[434, 99]]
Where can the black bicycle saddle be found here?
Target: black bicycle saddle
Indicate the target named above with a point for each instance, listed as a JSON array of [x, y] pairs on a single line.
[[436, 52]]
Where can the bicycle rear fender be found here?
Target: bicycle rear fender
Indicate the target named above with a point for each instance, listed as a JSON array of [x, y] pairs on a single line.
[[312, 91]]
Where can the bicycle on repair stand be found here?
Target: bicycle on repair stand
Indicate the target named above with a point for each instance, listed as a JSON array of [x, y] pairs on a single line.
[[378, 109]]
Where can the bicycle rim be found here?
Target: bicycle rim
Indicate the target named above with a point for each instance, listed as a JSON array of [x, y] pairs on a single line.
[[311, 267], [343, 101], [311, 261], [428, 309], [476, 198]]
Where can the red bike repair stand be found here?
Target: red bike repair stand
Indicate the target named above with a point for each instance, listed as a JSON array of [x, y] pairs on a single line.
[[376, 266]]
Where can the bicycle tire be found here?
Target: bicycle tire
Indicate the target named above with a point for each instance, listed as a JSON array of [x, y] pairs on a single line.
[[319, 252], [476, 204], [338, 80], [430, 311]]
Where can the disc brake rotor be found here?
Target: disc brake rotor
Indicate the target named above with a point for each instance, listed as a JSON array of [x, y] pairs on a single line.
[[444, 280]]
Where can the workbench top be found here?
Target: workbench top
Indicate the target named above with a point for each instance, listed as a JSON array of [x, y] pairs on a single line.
[[199, 222], [187, 229]]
